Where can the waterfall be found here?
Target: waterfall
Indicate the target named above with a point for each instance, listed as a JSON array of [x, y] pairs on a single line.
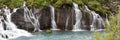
[[11, 31], [107, 20], [1, 24], [95, 17], [67, 23], [30, 16], [78, 15], [101, 23], [54, 26]]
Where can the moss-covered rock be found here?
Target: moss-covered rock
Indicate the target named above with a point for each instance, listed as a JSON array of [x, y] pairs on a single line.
[[48, 31]]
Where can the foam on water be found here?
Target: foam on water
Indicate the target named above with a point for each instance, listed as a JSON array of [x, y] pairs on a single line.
[[10, 31]]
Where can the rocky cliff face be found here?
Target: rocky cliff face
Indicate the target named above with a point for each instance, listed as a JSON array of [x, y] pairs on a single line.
[[45, 18], [64, 18], [18, 19]]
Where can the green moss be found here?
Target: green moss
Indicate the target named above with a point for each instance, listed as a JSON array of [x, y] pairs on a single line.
[[14, 3], [79, 2], [29, 3], [45, 4], [68, 1], [94, 5], [37, 3], [2, 2], [58, 3], [48, 31], [1, 6]]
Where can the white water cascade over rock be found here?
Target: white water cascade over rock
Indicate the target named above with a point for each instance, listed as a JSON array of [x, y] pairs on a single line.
[[8, 30], [78, 15], [54, 26], [107, 21], [96, 19], [88, 19], [30, 16]]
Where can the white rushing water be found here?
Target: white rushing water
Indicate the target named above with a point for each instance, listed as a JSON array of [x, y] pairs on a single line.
[[95, 17], [78, 15], [66, 24], [54, 26], [10, 31], [30, 16]]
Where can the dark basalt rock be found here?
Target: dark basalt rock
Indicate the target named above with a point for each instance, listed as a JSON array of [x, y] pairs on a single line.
[[71, 19], [64, 15], [60, 18], [3, 15], [86, 20], [45, 18], [18, 19], [4, 36]]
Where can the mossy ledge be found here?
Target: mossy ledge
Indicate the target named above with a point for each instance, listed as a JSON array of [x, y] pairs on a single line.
[[100, 6]]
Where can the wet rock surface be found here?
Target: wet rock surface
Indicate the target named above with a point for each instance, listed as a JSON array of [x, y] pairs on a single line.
[[18, 19], [64, 18], [45, 18]]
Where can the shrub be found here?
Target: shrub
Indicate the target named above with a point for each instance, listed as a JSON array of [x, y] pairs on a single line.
[[112, 31], [14, 3]]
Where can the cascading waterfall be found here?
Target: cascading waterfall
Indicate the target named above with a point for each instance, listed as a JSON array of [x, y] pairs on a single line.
[[78, 15], [95, 17], [29, 16], [1, 29], [10, 25], [101, 23], [11, 31], [1, 24], [8, 30], [54, 26]]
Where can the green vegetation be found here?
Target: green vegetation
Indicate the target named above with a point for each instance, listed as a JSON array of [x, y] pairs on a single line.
[[58, 3], [99, 6], [2, 2], [11, 3], [38, 3], [112, 30], [48, 31], [29, 3]]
